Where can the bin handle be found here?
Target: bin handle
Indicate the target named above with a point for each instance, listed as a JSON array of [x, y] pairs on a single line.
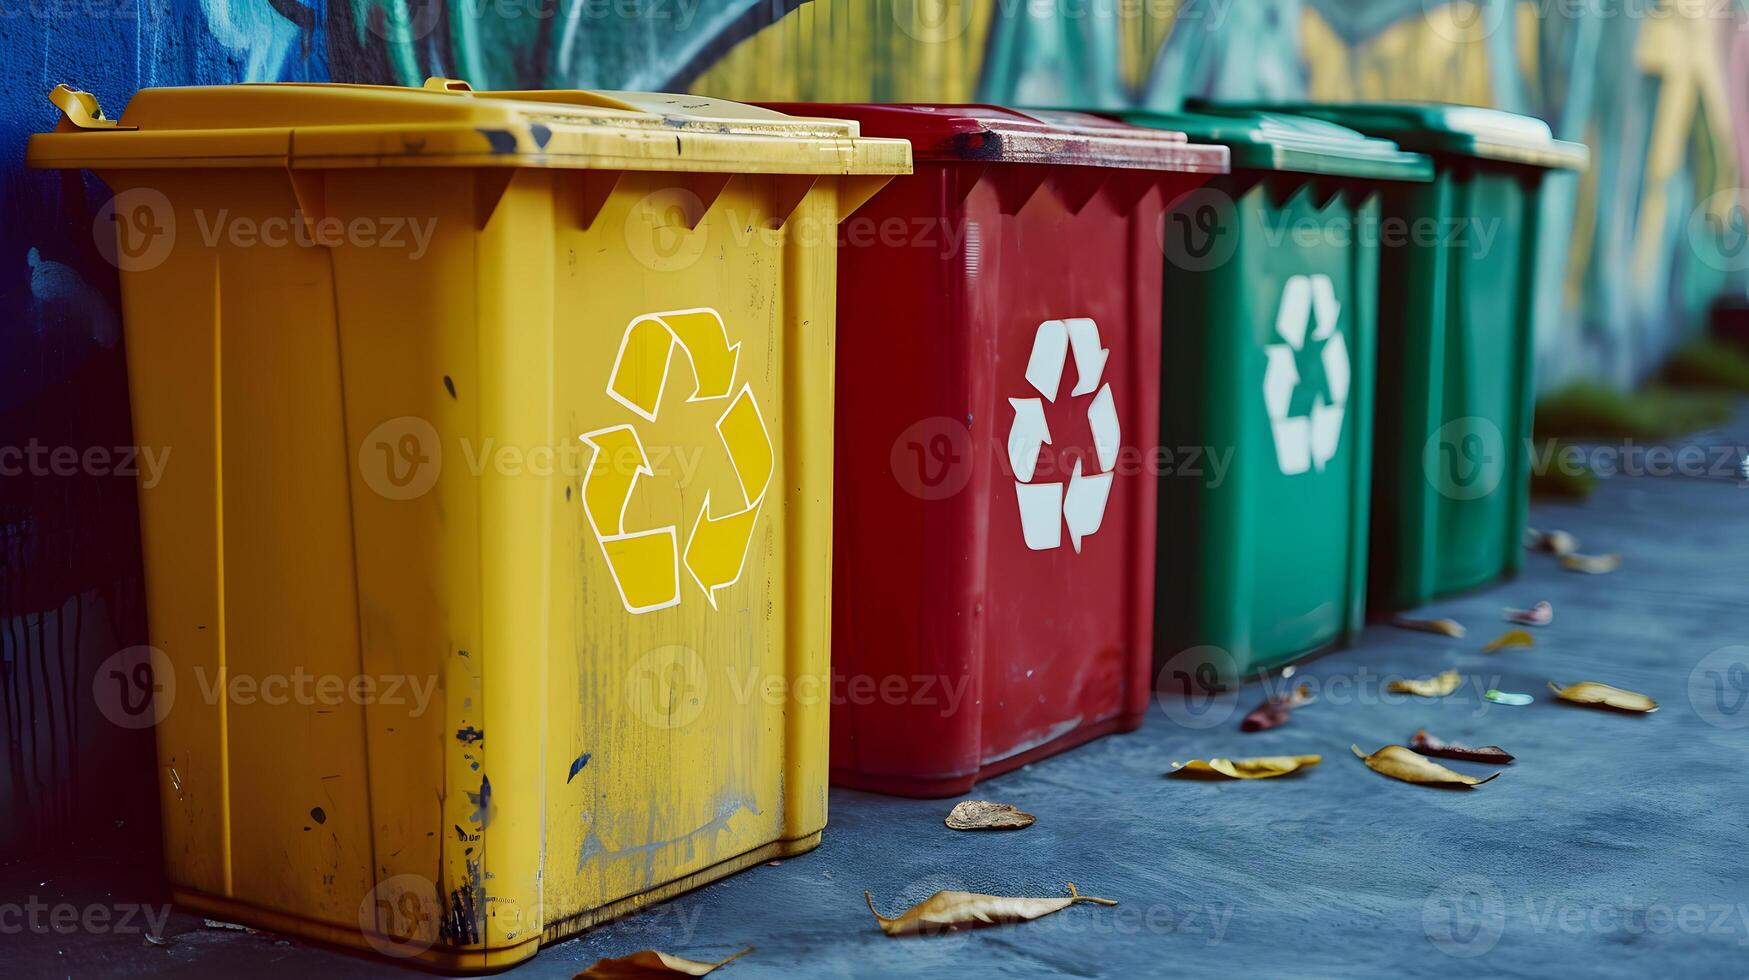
[[80, 109], [437, 83]]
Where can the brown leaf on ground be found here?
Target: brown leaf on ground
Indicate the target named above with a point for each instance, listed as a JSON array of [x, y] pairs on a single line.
[[1510, 638], [1430, 745], [984, 815], [1541, 614], [1429, 687], [1277, 710], [1591, 564], [650, 963], [1552, 542], [1261, 767], [1444, 627], [1593, 694], [1399, 762], [952, 911]]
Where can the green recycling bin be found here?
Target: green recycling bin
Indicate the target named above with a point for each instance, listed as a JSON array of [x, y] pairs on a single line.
[[1456, 385], [1265, 461]]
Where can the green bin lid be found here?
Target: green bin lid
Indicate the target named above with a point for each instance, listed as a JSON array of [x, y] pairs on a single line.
[[1435, 127], [1262, 140]]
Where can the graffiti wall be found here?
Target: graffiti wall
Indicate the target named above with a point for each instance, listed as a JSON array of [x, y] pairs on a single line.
[[1641, 243]]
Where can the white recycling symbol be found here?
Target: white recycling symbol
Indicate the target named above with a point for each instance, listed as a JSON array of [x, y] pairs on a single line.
[[1306, 441], [1046, 507]]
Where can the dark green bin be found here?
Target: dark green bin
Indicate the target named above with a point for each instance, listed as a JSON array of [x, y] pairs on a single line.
[[1266, 561], [1456, 388]]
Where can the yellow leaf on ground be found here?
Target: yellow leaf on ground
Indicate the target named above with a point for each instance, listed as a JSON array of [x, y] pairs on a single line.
[[1510, 638], [984, 815], [1602, 695], [1591, 564], [951, 911], [1261, 767], [1400, 762], [1429, 687], [1444, 627], [650, 963]]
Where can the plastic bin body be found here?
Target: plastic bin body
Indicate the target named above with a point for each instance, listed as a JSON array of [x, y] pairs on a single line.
[[1272, 366], [1457, 388], [961, 650], [379, 478]]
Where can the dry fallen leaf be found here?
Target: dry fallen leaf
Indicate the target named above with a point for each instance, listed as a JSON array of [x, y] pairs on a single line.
[[950, 911], [984, 815], [1429, 745], [1445, 627], [1510, 638], [1276, 710], [1553, 542], [1429, 687], [1541, 614], [1399, 762], [650, 963], [1602, 695], [1591, 564], [1261, 767]]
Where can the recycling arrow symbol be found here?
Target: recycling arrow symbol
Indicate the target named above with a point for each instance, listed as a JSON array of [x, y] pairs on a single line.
[[1046, 507], [646, 562], [1305, 441]]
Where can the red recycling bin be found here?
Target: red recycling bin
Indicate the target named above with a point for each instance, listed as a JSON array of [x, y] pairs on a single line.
[[998, 376]]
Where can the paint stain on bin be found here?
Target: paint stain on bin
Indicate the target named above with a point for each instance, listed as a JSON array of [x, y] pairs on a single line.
[[449, 385], [469, 735], [501, 140], [318, 814], [577, 765], [540, 133], [482, 801]]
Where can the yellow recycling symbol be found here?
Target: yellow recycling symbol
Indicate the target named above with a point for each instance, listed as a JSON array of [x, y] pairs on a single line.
[[646, 563]]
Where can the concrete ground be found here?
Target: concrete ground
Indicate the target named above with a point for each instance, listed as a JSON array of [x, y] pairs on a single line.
[[1617, 845]]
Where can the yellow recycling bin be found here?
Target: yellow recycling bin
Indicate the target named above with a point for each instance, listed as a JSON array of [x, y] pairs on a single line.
[[488, 574]]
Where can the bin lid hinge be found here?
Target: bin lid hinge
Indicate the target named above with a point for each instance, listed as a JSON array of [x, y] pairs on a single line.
[[310, 190], [490, 183], [79, 110], [855, 190]]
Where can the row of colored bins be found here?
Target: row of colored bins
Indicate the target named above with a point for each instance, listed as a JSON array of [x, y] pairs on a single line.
[[989, 532]]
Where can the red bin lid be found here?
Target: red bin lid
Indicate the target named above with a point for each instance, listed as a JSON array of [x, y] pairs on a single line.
[[987, 133]]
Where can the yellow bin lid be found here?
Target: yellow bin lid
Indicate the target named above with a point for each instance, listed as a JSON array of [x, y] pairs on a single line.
[[445, 124]]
